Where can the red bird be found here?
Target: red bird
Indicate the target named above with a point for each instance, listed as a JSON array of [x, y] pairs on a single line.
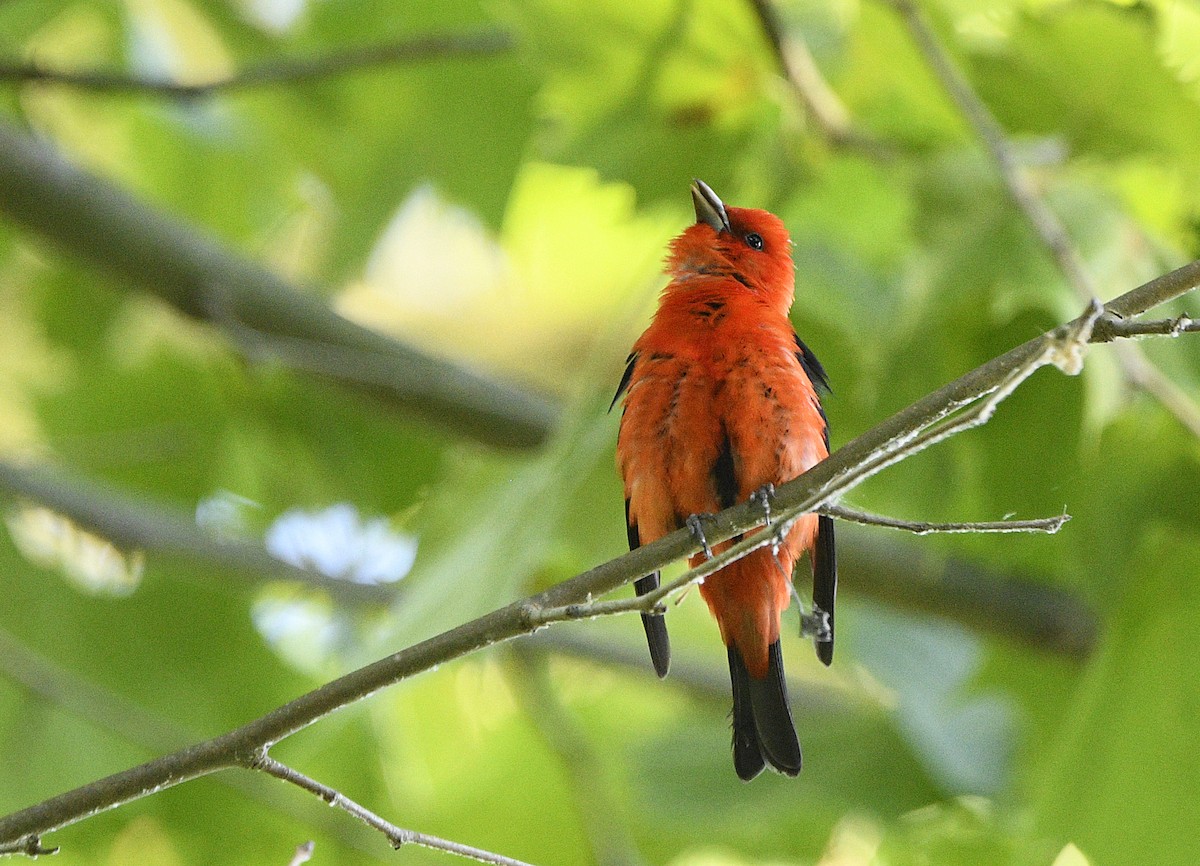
[[721, 401]]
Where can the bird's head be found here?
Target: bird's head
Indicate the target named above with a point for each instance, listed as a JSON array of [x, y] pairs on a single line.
[[747, 245]]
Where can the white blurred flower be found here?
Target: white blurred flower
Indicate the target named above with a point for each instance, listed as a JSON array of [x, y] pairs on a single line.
[[274, 16], [337, 542]]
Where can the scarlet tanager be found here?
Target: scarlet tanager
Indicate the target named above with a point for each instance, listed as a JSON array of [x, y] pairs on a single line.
[[721, 400]]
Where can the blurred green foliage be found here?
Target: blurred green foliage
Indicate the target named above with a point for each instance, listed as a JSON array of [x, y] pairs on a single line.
[[510, 212]]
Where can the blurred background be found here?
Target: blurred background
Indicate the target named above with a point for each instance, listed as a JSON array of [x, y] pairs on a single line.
[[500, 201]]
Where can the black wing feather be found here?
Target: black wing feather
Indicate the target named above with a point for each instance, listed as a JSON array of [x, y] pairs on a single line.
[[630, 363], [724, 475], [824, 560], [654, 624], [812, 367]]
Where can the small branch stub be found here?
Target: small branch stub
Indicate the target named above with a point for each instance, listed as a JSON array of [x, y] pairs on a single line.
[[303, 854]]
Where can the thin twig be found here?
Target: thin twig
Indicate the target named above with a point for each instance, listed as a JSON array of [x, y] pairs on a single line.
[[1017, 182], [1109, 328], [1048, 525], [826, 481], [1139, 370], [1031, 611], [809, 86], [1143, 373], [284, 71], [397, 837]]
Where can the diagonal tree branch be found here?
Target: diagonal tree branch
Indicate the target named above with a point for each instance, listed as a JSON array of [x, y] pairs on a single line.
[[825, 482], [482, 43], [115, 714], [98, 222], [1139, 370]]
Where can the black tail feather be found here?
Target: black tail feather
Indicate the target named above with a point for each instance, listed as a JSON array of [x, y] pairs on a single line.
[[763, 731], [824, 558], [656, 629], [747, 753]]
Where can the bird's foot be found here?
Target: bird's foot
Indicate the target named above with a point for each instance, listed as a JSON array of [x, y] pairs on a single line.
[[695, 525], [762, 497], [816, 625]]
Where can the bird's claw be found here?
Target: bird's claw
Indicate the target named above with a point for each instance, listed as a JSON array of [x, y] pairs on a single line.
[[695, 525], [816, 625], [762, 497]]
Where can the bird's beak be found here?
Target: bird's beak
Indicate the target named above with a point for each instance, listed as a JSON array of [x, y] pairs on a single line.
[[709, 208]]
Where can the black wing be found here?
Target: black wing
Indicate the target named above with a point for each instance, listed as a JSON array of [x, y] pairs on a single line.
[[824, 553], [812, 367], [824, 560], [654, 624], [630, 362]]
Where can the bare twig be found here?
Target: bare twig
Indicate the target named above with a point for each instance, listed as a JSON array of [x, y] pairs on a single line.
[[823, 483], [303, 854], [809, 86], [102, 224], [1018, 183], [1033, 612], [1048, 525], [283, 71], [1143, 373], [397, 837], [1139, 370], [1110, 328]]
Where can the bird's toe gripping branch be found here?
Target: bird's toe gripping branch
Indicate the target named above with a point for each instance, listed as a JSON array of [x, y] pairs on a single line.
[[695, 525], [816, 625], [762, 497]]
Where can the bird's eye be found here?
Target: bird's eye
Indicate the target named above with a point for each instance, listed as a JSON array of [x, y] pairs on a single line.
[[754, 241]]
